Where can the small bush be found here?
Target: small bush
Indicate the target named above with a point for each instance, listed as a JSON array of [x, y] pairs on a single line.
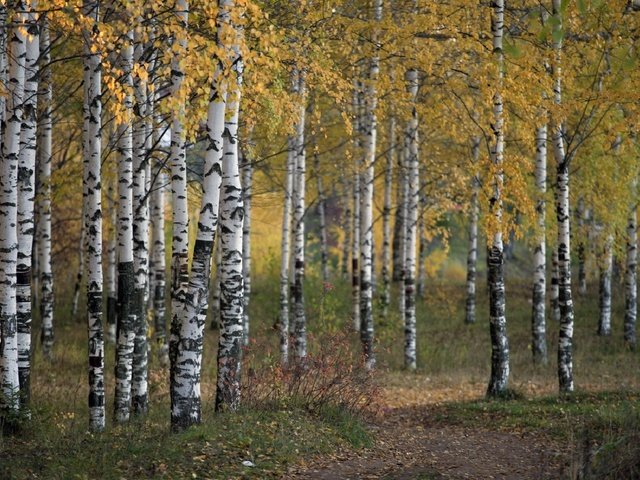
[[327, 379]]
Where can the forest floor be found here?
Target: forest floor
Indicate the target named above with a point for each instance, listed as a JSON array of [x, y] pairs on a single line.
[[417, 437]]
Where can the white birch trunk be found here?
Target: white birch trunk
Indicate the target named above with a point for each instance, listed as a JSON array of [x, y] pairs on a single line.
[[385, 296], [139, 387], [285, 253], [538, 323], [112, 269], [156, 216], [497, 319], [370, 130], [9, 382], [606, 272], [554, 294], [322, 219], [231, 219], [299, 316], [26, 197], [631, 278], [247, 187], [186, 408], [411, 220], [472, 254], [563, 211], [44, 197], [178, 165], [126, 281], [92, 150]]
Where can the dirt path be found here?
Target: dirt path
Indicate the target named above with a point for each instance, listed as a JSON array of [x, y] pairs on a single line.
[[410, 444]]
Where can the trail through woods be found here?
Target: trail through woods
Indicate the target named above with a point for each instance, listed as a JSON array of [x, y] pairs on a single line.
[[412, 440]]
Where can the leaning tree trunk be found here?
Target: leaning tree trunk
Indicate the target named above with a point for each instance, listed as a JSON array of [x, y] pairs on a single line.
[[385, 295], [497, 320], [247, 188], [411, 221], [472, 255], [538, 324], [9, 382], [44, 197], [563, 213], [141, 132], [231, 218], [126, 282], [26, 196], [178, 165], [92, 150], [604, 303], [299, 316], [186, 409]]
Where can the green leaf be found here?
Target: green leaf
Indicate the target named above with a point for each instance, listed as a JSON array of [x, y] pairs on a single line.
[[582, 7]]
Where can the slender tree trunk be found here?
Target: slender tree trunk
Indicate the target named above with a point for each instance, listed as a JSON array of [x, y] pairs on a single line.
[[92, 150], [322, 220], [554, 295], [631, 279], [606, 272], [472, 255], [538, 324], [411, 221], [346, 225], [582, 271], [497, 320], [44, 197], [139, 387], [404, 223], [178, 164], [355, 229], [126, 277], [563, 213], [10, 385], [385, 296], [247, 188], [156, 215], [26, 196], [112, 270], [215, 294], [300, 320], [231, 218]]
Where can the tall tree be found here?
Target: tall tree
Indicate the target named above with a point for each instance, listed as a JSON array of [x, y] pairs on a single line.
[[538, 322], [497, 319], [472, 255], [92, 150], [247, 190], [385, 294], [9, 382], [44, 195], [604, 299], [231, 218], [126, 281], [26, 196]]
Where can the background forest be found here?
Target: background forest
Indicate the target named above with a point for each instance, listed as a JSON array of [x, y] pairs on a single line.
[[280, 230]]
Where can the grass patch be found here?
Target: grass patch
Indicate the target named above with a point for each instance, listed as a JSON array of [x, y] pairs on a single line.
[[269, 439]]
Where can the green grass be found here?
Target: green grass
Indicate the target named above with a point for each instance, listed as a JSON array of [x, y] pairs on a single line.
[[271, 440]]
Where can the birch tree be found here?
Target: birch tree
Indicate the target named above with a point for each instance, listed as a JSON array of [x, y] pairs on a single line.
[[126, 281], [247, 189], [158, 270], [285, 252], [385, 293], [44, 195], [604, 298], [631, 277], [26, 196], [186, 408], [92, 150], [472, 255], [497, 319], [231, 218], [10, 385], [563, 214], [366, 226], [538, 323]]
